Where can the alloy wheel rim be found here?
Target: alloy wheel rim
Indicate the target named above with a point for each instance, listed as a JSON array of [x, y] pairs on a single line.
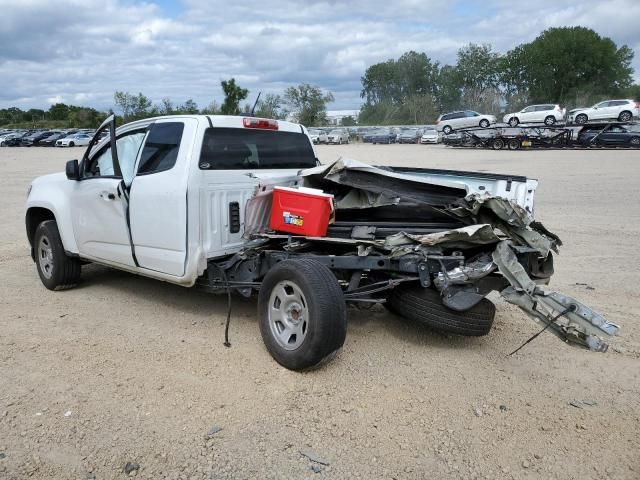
[[45, 256], [288, 315]]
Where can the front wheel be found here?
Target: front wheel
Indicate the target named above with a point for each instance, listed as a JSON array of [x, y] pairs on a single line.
[[447, 130], [581, 119], [513, 122], [56, 269], [635, 142], [484, 123], [302, 313]]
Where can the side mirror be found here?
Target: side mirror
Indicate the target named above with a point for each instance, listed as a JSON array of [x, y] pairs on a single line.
[[73, 170]]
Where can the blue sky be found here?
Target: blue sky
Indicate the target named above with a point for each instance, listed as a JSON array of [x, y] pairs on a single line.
[[181, 50]]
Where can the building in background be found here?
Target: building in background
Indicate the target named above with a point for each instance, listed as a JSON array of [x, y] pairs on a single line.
[[335, 116]]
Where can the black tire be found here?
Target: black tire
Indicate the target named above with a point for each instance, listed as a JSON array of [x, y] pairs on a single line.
[[325, 328], [71, 144], [497, 144], [634, 142], [484, 123], [582, 119], [625, 116], [550, 120], [447, 130], [514, 144], [513, 122], [424, 305], [56, 269]]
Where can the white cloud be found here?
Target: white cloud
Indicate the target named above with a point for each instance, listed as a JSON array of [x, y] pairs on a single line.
[[83, 50]]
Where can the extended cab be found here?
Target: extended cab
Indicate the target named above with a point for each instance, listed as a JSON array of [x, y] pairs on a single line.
[[187, 200]]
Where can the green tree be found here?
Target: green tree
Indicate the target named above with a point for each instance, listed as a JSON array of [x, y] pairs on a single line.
[[59, 111], [189, 107], [211, 109], [308, 104], [271, 106], [133, 107], [563, 64], [167, 107], [233, 95], [348, 121], [477, 74]]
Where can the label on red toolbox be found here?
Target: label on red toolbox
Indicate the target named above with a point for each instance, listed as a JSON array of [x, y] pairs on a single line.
[[292, 219]]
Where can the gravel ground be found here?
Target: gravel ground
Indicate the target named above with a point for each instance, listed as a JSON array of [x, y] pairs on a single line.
[[128, 376]]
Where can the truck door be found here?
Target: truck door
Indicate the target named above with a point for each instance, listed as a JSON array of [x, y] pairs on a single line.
[[158, 197], [98, 203]]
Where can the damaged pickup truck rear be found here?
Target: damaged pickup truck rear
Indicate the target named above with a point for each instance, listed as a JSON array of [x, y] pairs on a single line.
[[195, 200]]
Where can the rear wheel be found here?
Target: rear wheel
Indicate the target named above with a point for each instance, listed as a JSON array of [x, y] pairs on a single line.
[[550, 120], [634, 142], [424, 305], [56, 269], [447, 129], [498, 144], [484, 123], [624, 117], [514, 144], [302, 312]]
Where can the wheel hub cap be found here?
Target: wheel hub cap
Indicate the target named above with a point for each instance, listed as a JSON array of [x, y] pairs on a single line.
[[45, 257], [288, 315]]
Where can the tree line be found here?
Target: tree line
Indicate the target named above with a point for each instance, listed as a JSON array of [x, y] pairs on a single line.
[[572, 66], [305, 103]]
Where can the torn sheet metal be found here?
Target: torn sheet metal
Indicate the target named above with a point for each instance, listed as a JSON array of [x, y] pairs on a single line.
[[456, 238], [580, 326], [509, 217], [382, 187]]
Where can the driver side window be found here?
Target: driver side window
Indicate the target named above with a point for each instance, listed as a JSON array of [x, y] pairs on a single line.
[[128, 146]]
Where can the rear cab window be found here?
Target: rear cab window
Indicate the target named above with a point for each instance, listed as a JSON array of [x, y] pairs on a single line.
[[248, 149]]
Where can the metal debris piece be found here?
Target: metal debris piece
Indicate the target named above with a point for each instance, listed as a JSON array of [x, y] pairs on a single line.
[[313, 456]]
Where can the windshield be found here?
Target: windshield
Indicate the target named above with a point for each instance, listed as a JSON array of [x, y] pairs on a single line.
[[243, 148]]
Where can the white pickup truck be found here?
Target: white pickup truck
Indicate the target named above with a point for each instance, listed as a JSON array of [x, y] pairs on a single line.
[[186, 199]]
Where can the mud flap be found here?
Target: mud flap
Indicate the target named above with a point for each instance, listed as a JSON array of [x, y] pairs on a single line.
[[578, 325]]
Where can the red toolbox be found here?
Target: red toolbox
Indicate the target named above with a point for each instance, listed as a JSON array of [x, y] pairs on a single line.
[[301, 211]]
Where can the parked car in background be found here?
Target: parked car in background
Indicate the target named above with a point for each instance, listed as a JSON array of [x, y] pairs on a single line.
[[368, 135], [50, 141], [318, 136], [610, 135], [547, 113], [621, 110], [383, 135], [409, 135], [430, 135], [10, 139], [77, 139], [34, 138], [338, 137], [449, 122]]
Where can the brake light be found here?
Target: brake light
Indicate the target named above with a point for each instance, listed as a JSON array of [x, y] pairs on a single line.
[[262, 123]]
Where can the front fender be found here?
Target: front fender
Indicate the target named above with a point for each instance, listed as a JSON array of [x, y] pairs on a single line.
[[53, 193]]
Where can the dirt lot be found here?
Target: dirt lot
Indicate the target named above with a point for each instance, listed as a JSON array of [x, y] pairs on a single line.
[[125, 369]]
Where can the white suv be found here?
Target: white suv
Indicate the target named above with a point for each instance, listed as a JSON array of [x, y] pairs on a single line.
[[449, 122], [621, 110], [547, 113]]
